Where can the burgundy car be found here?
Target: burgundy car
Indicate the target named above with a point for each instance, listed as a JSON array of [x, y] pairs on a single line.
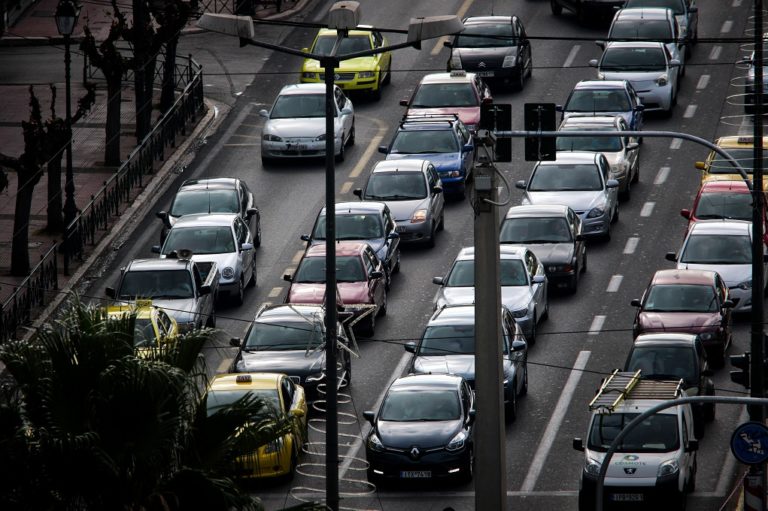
[[688, 301], [359, 275]]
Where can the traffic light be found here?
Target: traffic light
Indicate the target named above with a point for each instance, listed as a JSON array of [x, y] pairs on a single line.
[[540, 117], [742, 362], [498, 117]]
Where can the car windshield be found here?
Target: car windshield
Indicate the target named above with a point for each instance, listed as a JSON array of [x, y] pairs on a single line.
[[312, 270], [425, 142], [511, 273], [617, 59], [295, 106], [594, 144], [144, 333], [421, 405], [200, 240], [487, 35], [435, 95], [396, 186], [680, 298], [677, 6], [156, 284], [363, 226], [657, 433], [717, 249], [351, 44], [665, 363], [565, 177], [535, 230], [215, 400], [205, 201], [288, 335], [448, 340], [648, 30], [744, 157], [598, 101], [737, 206]]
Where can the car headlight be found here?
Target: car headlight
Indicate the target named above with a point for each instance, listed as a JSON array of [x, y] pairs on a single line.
[[374, 443], [707, 336], [451, 173], [662, 80], [228, 273], [274, 447], [419, 216], [185, 326], [520, 313], [309, 76], [455, 61], [595, 212], [366, 74], [509, 61], [320, 138], [746, 285], [471, 127], [457, 442], [592, 467], [668, 468], [270, 137]]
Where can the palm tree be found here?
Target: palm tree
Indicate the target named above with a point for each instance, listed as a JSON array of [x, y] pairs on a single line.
[[86, 422]]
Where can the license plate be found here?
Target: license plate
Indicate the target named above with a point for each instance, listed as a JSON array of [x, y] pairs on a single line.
[[296, 147], [415, 474], [627, 497], [400, 228], [484, 74]]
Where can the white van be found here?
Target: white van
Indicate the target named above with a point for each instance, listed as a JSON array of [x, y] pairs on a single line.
[[656, 463]]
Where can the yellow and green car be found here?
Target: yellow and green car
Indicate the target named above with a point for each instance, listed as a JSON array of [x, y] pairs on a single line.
[[153, 325]]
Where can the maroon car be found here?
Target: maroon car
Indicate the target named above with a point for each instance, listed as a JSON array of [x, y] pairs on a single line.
[[359, 275], [688, 301]]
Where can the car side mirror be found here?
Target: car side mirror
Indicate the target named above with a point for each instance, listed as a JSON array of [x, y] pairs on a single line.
[[404, 102], [593, 63], [437, 189], [635, 302], [639, 108], [393, 236], [447, 44], [234, 342], [579, 237], [471, 415], [519, 345], [163, 215], [205, 290], [287, 277], [693, 445], [600, 44], [383, 149], [297, 412], [728, 304], [539, 279], [632, 146], [674, 63], [410, 347], [578, 444], [685, 213], [250, 212], [520, 184], [346, 111], [155, 249], [110, 292], [693, 8], [612, 183], [358, 192], [467, 148], [558, 108], [487, 101], [246, 246], [264, 113], [700, 165], [671, 256], [370, 416], [437, 280], [765, 258], [377, 274], [305, 237]]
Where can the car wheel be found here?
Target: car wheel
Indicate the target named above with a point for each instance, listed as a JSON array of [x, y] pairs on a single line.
[[252, 280], [627, 193], [469, 470], [520, 82], [351, 139], [698, 426], [615, 217], [690, 485], [370, 326], [545, 315], [441, 225], [292, 470], [239, 297], [388, 78], [557, 9], [211, 321], [340, 156], [636, 175], [257, 238], [396, 268], [573, 283], [510, 408], [532, 337], [383, 307], [431, 239], [266, 162], [709, 412], [524, 388]]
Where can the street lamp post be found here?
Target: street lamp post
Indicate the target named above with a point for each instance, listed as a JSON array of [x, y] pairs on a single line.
[[66, 15], [343, 16]]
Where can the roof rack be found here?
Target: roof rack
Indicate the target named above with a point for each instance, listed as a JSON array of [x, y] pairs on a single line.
[[416, 118], [620, 386]]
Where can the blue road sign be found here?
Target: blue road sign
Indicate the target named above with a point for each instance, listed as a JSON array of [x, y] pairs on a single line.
[[749, 443]]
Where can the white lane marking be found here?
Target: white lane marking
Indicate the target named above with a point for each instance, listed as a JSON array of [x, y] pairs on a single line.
[[358, 443], [545, 444], [690, 111], [240, 145], [614, 283], [715, 53], [246, 136], [647, 209], [661, 176], [676, 143], [224, 365], [571, 55], [297, 257], [460, 13], [346, 187], [631, 245], [736, 3], [597, 324], [275, 292], [727, 26], [373, 146], [703, 82]]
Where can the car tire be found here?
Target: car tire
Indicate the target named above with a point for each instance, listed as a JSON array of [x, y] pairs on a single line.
[[636, 175], [431, 239], [383, 307], [710, 411], [698, 426], [351, 139], [510, 408], [626, 194], [211, 321], [469, 470], [557, 9], [368, 327], [252, 280], [690, 485], [532, 338], [376, 93], [520, 81], [524, 388], [584, 263], [388, 79], [340, 156], [239, 297], [573, 283], [441, 225], [396, 268], [545, 314]]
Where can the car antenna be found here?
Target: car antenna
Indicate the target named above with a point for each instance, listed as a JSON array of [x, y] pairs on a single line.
[[208, 193], [492, 2]]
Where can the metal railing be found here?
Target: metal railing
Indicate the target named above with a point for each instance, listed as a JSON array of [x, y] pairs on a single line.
[[105, 204], [181, 75], [29, 294]]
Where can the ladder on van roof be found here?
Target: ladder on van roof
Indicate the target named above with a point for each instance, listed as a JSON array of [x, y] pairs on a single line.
[[620, 386]]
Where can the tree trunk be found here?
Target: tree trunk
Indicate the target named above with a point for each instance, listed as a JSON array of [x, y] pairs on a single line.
[[169, 75], [55, 203], [20, 245], [113, 127]]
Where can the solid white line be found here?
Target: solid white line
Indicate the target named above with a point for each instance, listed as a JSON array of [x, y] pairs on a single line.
[[614, 283], [597, 324], [715, 53], [690, 111], [727, 26], [275, 292], [647, 209], [703, 82], [460, 13], [631, 245], [358, 443], [676, 143], [661, 176], [297, 257], [554, 422], [571, 55]]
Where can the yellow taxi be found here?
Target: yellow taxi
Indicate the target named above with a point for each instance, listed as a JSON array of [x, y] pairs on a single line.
[[717, 168], [357, 74], [278, 458], [152, 324]]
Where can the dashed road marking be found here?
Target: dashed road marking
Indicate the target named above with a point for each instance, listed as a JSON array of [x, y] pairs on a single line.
[[346, 187], [614, 283], [727, 26], [597, 324], [676, 143], [690, 111], [647, 209], [571, 55], [297, 257], [661, 176], [631, 245], [703, 82], [258, 137], [275, 292], [715, 53]]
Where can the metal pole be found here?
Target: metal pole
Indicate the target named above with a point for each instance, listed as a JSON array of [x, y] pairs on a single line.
[[489, 437], [70, 208]]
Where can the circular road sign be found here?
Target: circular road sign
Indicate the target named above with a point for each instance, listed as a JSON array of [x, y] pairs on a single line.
[[749, 443]]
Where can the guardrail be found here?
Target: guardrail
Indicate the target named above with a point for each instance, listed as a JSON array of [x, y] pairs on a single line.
[[29, 294], [105, 204]]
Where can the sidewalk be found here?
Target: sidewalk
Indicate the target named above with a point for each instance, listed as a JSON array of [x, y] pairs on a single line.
[[37, 27]]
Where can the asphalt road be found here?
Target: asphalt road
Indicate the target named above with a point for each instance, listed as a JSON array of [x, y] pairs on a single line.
[[590, 330]]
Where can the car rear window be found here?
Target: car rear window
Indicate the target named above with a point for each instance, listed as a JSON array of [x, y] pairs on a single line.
[[594, 144], [425, 142], [598, 101], [396, 186], [717, 249], [200, 240], [215, 400], [434, 95], [618, 59], [665, 363], [361, 226], [649, 30], [205, 201], [535, 230], [737, 206], [565, 177], [681, 298], [283, 336]]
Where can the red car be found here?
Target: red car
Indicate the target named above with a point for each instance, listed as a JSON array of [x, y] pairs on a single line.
[[688, 302], [360, 277]]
